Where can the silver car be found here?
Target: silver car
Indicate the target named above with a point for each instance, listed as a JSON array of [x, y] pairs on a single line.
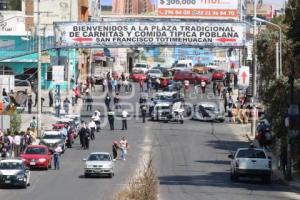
[[99, 163]]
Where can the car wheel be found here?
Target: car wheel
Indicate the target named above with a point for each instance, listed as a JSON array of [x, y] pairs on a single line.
[[234, 177], [267, 179], [86, 175]]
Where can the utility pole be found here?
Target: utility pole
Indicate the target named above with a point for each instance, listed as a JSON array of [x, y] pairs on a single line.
[[254, 73], [39, 69]]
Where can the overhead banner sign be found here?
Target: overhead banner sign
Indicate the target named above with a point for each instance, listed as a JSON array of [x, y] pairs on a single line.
[[208, 9], [144, 33]]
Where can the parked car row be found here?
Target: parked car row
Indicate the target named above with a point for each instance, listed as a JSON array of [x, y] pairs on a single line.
[[16, 172]]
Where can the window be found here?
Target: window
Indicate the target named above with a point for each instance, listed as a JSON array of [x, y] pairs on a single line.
[[251, 153], [35, 150]]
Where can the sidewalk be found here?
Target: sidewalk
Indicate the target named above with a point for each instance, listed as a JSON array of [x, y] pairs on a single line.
[[48, 113], [277, 172]]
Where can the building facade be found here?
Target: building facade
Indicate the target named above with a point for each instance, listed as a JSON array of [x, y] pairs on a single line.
[[131, 7]]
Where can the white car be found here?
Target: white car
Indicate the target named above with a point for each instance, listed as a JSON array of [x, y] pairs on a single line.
[[13, 172], [251, 162], [161, 111], [99, 163], [141, 67], [154, 73], [53, 138]]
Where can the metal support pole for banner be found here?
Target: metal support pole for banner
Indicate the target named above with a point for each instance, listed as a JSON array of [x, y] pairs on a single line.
[[254, 75], [39, 68]]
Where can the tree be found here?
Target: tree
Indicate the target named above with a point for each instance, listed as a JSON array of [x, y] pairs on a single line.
[[15, 122]]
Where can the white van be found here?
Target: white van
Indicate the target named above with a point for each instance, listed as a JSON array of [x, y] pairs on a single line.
[[183, 65]]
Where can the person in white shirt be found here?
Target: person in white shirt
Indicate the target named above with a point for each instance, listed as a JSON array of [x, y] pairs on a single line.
[[92, 127], [123, 146], [56, 157], [96, 118], [17, 144], [124, 119]]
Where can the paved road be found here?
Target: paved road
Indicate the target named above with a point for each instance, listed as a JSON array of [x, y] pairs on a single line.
[[191, 162], [69, 184]]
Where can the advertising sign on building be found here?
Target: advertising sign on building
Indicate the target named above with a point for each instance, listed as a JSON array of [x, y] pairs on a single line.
[[208, 9], [244, 77], [147, 34], [58, 74]]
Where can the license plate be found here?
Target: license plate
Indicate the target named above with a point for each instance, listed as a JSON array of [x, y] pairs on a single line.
[[32, 163], [7, 181]]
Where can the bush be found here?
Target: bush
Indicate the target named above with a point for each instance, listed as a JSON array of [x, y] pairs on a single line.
[[143, 187]]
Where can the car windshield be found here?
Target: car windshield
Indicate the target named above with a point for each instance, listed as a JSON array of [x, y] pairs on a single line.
[[99, 157], [210, 108], [163, 98], [180, 65], [154, 71], [54, 136], [35, 150], [140, 66], [11, 165], [251, 153]]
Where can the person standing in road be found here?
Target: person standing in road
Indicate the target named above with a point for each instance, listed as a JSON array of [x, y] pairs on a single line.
[[144, 113], [56, 156], [57, 106], [125, 83], [29, 104], [123, 146], [117, 101], [115, 148], [124, 119], [203, 86], [96, 118], [219, 88], [89, 101], [66, 105], [141, 83], [214, 87], [107, 101], [111, 119], [92, 127], [17, 145], [82, 133], [87, 137]]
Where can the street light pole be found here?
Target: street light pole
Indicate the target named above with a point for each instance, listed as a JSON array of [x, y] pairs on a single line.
[[254, 73], [39, 92], [280, 40]]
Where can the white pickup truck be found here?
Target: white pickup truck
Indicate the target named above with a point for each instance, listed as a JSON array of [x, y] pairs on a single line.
[[251, 162]]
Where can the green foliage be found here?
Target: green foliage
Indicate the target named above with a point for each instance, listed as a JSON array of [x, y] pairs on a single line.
[[15, 122]]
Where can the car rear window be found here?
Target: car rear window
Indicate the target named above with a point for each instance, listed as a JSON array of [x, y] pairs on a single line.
[[21, 83], [140, 66], [251, 153], [99, 157]]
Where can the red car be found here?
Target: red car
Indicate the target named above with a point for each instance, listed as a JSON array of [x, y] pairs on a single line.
[[136, 77], [37, 156], [218, 76], [190, 76]]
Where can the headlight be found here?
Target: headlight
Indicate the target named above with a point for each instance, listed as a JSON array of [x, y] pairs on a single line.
[[42, 159], [1, 173], [20, 175], [88, 166], [24, 160]]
